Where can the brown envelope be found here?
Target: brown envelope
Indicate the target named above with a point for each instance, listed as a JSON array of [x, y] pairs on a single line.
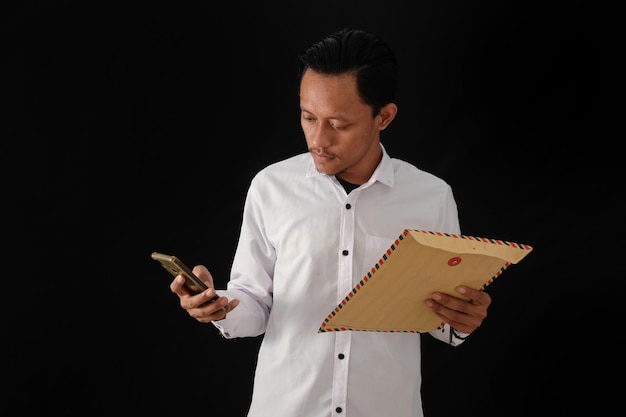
[[390, 297]]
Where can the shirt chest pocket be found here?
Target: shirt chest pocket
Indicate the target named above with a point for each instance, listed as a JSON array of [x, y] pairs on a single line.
[[375, 248]]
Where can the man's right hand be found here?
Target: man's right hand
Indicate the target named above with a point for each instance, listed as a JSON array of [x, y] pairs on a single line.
[[200, 306]]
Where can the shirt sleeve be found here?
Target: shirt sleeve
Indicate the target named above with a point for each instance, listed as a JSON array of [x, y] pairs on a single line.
[[449, 335], [450, 216], [251, 276]]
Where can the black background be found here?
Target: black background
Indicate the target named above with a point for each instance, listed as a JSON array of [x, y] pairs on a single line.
[[136, 126]]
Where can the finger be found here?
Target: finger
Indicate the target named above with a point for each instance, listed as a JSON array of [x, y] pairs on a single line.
[[177, 286], [210, 295], [462, 321], [478, 297], [210, 311], [227, 309], [482, 299], [207, 318], [203, 273], [449, 302], [233, 304]]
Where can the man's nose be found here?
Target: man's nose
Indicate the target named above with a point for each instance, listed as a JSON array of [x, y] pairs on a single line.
[[320, 136]]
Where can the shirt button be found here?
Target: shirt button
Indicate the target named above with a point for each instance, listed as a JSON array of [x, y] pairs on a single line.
[[338, 409], [345, 253], [341, 356], [348, 206]]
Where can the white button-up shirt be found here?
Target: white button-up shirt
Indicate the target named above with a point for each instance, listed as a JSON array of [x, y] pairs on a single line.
[[304, 244]]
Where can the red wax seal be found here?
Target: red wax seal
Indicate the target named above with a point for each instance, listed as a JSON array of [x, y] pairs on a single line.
[[454, 261]]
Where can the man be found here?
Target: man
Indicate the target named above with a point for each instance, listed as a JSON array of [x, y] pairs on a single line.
[[313, 225]]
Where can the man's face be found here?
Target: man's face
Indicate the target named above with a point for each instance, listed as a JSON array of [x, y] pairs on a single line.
[[341, 133]]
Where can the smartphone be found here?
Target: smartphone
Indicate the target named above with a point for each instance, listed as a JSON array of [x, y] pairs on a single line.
[[176, 267]]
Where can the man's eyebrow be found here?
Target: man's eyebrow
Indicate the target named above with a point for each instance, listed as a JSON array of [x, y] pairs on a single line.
[[334, 117]]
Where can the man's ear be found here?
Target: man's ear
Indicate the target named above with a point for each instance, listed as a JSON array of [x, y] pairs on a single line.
[[387, 114]]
